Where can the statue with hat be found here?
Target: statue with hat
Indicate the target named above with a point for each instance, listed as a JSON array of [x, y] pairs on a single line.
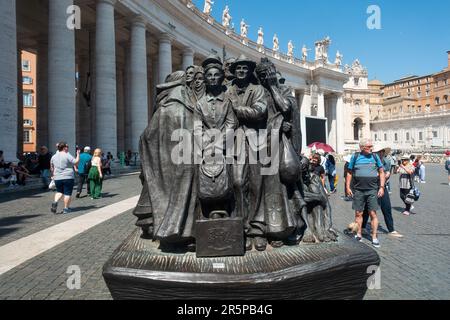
[[216, 118], [250, 106]]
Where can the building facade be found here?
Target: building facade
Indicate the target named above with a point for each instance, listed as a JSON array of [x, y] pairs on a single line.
[[415, 112], [29, 92], [99, 61], [357, 106]]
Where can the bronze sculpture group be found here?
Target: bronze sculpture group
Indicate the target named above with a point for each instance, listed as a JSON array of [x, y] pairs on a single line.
[[278, 208]]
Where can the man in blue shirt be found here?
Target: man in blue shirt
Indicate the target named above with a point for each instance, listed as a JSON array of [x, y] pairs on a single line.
[[366, 170], [83, 171]]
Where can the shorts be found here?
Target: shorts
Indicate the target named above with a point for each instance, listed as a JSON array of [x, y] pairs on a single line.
[[363, 197], [65, 186]]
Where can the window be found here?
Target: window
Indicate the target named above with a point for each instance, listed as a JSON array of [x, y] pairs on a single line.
[[27, 122], [419, 94], [427, 93], [445, 98], [420, 136], [26, 65], [436, 100], [27, 80], [435, 134], [427, 108], [27, 136], [407, 136], [385, 137], [27, 99], [396, 137], [356, 80], [419, 109]]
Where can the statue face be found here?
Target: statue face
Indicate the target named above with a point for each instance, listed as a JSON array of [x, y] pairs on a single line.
[[214, 77], [242, 72], [190, 75], [199, 80]]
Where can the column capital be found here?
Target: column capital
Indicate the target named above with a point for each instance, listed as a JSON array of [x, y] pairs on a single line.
[[165, 37], [139, 21], [188, 51], [110, 2]]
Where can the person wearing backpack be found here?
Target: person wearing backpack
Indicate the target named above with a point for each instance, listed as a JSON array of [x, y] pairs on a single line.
[[367, 172], [406, 171], [447, 165], [331, 171]]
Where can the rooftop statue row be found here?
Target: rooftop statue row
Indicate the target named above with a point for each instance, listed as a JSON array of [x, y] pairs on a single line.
[[321, 46]]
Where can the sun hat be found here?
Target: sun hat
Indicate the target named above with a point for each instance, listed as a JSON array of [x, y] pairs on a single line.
[[380, 147]]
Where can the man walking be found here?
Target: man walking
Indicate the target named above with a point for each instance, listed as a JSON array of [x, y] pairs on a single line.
[[82, 168], [366, 170], [62, 164]]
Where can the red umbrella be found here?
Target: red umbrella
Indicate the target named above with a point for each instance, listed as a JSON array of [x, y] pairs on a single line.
[[320, 145]]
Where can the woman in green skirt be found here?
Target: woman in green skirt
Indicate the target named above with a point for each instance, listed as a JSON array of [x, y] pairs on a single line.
[[96, 175]]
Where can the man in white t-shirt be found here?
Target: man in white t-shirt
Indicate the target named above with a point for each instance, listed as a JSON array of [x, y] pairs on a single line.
[[62, 167]]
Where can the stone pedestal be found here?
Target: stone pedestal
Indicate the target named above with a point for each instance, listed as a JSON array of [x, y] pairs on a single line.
[[339, 270]]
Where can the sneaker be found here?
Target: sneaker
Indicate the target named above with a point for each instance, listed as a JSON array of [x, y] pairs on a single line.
[[54, 207], [395, 234], [406, 213], [67, 211], [358, 238], [376, 243], [423, 182]]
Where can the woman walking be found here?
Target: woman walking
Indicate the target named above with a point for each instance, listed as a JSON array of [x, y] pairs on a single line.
[[96, 175], [406, 171]]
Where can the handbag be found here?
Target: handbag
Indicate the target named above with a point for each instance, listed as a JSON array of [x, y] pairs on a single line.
[[52, 185], [215, 181], [290, 166], [414, 191]]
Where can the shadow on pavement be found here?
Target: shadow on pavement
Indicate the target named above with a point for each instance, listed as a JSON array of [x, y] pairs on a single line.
[[10, 221], [6, 231]]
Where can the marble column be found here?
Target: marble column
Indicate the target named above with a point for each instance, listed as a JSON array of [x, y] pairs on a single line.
[[138, 77], [84, 111], [42, 94], [165, 57], [19, 127], [106, 94], [155, 82], [127, 84], [61, 76], [120, 109], [340, 135], [320, 104], [8, 79], [188, 58]]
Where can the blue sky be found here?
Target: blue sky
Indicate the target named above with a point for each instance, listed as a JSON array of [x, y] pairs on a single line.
[[413, 39]]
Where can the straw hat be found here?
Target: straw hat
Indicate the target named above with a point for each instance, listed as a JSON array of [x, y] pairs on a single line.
[[380, 147], [405, 157]]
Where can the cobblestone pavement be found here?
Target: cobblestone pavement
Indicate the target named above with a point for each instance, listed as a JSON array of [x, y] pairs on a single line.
[[26, 213], [415, 267]]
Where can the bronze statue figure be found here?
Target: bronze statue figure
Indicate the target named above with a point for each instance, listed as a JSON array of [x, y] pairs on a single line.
[[280, 208]]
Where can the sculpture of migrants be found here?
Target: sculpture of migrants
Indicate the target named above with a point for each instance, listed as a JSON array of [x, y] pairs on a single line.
[[229, 208]]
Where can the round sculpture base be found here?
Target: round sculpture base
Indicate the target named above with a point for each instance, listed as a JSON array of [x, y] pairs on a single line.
[[338, 270]]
